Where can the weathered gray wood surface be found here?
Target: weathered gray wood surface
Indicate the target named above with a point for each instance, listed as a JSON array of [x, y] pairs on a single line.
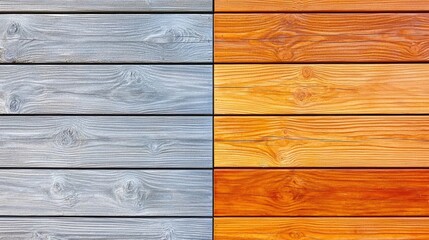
[[106, 228], [117, 38], [106, 192], [89, 89], [105, 5], [105, 141]]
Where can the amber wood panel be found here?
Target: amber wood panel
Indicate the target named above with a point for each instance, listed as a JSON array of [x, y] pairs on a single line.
[[321, 88], [345, 37], [318, 192], [321, 228], [322, 141], [320, 5]]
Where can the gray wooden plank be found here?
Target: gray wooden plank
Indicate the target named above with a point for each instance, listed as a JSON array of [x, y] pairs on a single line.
[[105, 141], [105, 5], [106, 192], [89, 89], [113, 38], [106, 228]]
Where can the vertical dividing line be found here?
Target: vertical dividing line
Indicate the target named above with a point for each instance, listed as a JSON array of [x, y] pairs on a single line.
[[213, 114]]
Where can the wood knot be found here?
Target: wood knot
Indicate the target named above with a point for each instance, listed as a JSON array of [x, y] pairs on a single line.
[[169, 233], [14, 103], [307, 72], [13, 29], [131, 193], [67, 138], [63, 192], [296, 235], [302, 95]]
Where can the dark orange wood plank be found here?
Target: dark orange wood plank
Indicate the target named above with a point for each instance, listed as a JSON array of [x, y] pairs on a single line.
[[321, 228], [321, 88], [322, 141], [320, 5], [321, 192], [386, 37]]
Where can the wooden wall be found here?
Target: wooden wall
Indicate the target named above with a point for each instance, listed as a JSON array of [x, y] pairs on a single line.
[[321, 124], [106, 126]]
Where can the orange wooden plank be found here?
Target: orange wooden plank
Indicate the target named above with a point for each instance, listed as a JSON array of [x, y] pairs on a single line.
[[322, 141], [321, 88], [321, 228], [385, 37], [320, 5], [321, 192]]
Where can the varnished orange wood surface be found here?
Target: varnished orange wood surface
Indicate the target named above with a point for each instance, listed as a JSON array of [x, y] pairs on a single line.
[[320, 5], [321, 88], [321, 228], [322, 141], [343, 37], [321, 192]]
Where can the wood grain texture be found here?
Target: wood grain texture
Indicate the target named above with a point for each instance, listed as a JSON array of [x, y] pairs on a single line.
[[110, 141], [317, 192], [118, 38], [320, 5], [263, 38], [105, 5], [321, 228], [321, 88], [106, 192], [106, 89], [106, 228], [339, 141]]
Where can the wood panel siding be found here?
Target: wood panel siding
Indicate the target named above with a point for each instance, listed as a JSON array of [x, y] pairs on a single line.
[[105, 6], [320, 6], [342, 37], [100, 38], [321, 192], [106, 141], [321, 228], [322, 141], [321, 88], [106, 89], [106, 192], [106, 228]]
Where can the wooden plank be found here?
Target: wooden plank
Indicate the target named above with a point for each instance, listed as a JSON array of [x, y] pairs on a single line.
[[105, 141], [321, 228], [339, 141], [106, 228], [105, 6], [384, 37], [321, 88], [316, 192], [106, 192], [320, 5], [106, 89], [117, 38]]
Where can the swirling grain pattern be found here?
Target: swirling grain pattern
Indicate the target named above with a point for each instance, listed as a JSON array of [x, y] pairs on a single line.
[[117, 38], [105, 5], [106, 89], [105, 228], [321, 228], [111, 141], [321, 88], [320, 5], [322, 192], [342, 37], [106, 192]]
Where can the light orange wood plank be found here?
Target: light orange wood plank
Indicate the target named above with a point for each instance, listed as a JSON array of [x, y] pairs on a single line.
[[338, 141], [321, 89], [388, 37], [321, 228], [320, 5], [321, 192]]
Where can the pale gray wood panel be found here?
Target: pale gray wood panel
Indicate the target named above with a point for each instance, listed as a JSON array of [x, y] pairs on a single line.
[[89, 89], [106, 192], [106, 228], [105, 5], [105, 141], [117, 38]]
